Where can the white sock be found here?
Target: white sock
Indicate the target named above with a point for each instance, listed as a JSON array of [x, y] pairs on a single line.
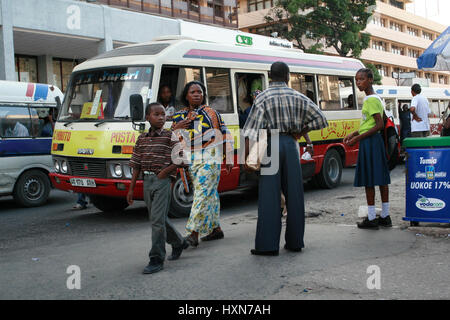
[[384, 209], [371, 212]]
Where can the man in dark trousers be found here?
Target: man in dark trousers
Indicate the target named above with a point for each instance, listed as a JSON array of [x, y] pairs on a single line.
[[292, 114]]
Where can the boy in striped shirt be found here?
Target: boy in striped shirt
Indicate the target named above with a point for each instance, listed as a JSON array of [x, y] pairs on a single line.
[[152, 156]]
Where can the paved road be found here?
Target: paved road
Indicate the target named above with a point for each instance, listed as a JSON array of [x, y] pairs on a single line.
[[37, 246]]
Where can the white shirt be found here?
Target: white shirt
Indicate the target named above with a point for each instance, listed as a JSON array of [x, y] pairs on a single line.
[[19, 131], [422, 110]]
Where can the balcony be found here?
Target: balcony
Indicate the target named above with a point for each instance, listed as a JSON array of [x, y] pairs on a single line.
[[217, 12]]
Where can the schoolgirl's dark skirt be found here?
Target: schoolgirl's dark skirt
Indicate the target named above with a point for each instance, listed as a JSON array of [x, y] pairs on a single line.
[[372, 168]]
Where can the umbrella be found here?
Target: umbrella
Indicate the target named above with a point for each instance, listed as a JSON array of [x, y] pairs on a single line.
[[437, 56]]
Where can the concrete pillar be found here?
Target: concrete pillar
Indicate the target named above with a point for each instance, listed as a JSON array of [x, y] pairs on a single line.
[[45, 70], [7, 62], [106, 44]]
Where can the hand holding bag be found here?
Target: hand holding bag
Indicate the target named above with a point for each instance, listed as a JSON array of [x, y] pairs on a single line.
[[257, 150]]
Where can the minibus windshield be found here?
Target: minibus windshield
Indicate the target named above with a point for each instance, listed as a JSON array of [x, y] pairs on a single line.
[[104, 94]]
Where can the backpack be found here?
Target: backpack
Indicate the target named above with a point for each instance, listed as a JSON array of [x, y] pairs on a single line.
[[391, 143]]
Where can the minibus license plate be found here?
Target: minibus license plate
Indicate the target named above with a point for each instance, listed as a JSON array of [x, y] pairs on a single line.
[[76, 182]]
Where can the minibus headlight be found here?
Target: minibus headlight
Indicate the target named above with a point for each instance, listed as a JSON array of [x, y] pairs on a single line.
[[118, 170], [64, 166], [57, 168]]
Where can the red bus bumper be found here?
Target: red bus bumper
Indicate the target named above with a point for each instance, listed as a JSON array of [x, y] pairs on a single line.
[[119, 188], [105, 187]]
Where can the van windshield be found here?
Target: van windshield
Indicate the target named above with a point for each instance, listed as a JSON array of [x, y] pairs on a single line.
[[104, 94]]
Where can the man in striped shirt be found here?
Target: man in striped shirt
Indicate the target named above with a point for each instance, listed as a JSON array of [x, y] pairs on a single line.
[[152, 155], [292, 114]]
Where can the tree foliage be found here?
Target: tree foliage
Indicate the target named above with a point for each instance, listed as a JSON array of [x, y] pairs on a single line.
[[376, 75], [317, 24]]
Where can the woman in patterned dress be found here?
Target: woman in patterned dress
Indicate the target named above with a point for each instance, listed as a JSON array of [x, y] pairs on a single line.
[[208, 139]]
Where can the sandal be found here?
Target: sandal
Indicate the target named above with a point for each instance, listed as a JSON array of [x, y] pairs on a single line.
[[215, 235]]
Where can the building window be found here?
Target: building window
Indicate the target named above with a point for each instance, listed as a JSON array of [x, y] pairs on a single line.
[[430, 77], [255, 5], [26, 68], [379, 22], [62, 69], [397, 4], [413, 53], [443, 79], [397, 50], [396, 26], [382, 70], [413, 32], [379, 45], [427, 35]]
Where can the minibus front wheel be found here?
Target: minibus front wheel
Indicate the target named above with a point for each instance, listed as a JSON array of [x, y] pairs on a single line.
[[181, 202], [32, 188]]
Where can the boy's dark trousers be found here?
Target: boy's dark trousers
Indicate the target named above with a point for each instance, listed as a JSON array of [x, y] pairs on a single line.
[[157, 197]]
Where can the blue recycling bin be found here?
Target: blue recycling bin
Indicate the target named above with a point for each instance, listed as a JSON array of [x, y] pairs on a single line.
[[427, 180]]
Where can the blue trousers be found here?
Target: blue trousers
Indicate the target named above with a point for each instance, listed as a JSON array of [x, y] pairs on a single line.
[[288, 179]]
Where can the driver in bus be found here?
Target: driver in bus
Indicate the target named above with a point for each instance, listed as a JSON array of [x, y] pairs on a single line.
[[165, 97]]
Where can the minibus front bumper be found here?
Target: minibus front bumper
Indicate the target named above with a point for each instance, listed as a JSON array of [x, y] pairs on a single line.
[[104, 187]]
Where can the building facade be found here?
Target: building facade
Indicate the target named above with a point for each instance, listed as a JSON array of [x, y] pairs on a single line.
[[398, 38], [41, 41]]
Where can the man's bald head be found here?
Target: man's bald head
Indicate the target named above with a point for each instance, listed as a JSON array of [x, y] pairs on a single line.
[[279, 72]]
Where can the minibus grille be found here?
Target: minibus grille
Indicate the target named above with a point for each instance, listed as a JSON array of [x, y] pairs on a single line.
[[95, 168]]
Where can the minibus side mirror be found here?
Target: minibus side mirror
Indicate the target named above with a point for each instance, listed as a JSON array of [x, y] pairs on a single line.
[[136, 107], [58, 102]]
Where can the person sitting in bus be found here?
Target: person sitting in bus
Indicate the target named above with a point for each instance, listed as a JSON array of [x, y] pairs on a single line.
[[350, 102], [47, 128], [15, 128], [165, 97]]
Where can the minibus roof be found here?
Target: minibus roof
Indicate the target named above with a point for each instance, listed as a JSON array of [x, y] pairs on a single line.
[[27, 92], [187, 51]]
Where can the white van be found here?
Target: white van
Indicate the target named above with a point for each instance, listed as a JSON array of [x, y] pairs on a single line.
[[27, 111]]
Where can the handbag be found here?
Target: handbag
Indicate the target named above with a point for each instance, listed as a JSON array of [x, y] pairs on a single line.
[[257, 151]]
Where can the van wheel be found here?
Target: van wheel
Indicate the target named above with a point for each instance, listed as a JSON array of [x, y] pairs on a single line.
[[32, 189], [108, 204], [330, 175], [181, 202]]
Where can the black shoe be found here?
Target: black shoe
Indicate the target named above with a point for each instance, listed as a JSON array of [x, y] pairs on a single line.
[[264, 253], [191, 240], [368, 224], [176, 251], [385, 222], [292, 249], [154, 265], [215, 235]]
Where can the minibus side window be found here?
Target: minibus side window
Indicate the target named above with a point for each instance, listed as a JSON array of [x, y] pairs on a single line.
[[218, 83], [303, 83], [336, 93], [14, 122], [176, 77], [42, 122]]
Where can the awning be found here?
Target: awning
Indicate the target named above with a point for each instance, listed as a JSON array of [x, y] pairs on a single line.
[[437, 56]]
